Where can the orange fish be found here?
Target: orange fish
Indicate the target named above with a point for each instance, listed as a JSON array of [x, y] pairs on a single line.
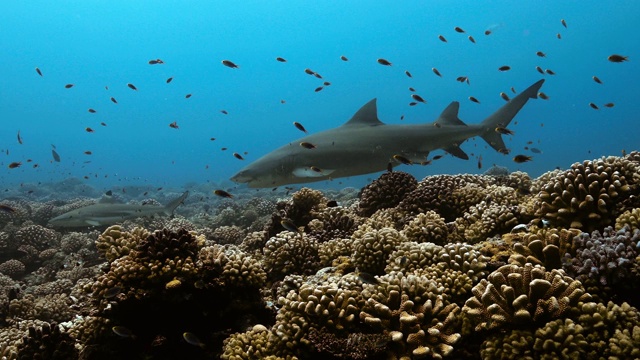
[[223, 194], [14, 165]]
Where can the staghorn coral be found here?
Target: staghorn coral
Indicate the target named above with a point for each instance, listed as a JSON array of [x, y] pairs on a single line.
[[629, 218], [385, 192], [290, 253], [587, 196], [371, 249], [523, 295], [427, 227]]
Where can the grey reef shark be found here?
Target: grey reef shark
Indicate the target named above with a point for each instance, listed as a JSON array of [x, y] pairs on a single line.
[[366, 145], [108, 212]]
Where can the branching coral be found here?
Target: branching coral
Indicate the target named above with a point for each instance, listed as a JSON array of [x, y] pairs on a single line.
[[427, 227], [386, 192], [522, 295], [371, 249], [291, 253]]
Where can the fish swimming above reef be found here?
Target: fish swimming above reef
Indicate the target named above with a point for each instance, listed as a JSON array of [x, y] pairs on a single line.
[[108, 212], [366, 145]]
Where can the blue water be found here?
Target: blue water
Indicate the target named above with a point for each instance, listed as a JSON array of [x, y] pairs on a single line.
[[94, 44]]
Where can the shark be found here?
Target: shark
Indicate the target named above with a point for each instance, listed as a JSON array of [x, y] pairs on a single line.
[[364, 145], [108, 212]]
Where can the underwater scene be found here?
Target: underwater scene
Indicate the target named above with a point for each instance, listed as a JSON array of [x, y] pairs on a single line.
[[319, 180]]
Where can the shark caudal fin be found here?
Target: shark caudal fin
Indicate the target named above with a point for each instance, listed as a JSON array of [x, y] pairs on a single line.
[[173, 204], [504, 115]]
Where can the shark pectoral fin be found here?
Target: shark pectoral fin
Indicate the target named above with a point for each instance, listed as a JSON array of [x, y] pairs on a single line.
[[311, 171], [455, 150]]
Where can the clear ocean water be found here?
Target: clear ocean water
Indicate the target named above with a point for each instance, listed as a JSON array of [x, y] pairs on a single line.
[[101, 46]]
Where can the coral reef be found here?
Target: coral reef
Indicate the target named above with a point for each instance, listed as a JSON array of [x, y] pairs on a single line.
[[387, 191]]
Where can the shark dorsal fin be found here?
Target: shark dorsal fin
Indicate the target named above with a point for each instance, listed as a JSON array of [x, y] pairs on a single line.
[[366, 116], [106, 199], [450, 115]]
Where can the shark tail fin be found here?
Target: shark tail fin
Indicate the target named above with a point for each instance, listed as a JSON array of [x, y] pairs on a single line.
[[504, 115], [173, 204]]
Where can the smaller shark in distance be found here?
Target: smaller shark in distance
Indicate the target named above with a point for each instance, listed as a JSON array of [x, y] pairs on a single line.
[[108, 212], [366, 145]]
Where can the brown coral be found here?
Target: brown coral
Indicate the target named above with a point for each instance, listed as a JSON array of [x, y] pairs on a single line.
[[427, 227], [386, 192], [371, 249]]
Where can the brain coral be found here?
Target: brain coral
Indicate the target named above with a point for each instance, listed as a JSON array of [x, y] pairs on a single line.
[[386, 192], [587, 196], [522, 295]]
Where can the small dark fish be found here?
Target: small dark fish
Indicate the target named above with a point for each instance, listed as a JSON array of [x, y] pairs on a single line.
[[309, 71], [169, 80], [326, 83], [229, 63], [504, 96], [7, 209], [55, 155], [224, 149], [92, 111], [14, 165], [539, 69], [315, 169], [435, 71], [88, 152], [504, 68], [19, 138], [39, 72], [289, 225], [462, 79], [487, 32], [522, 158], [617, 58], [503, 131], [480, 162], [513, 90], [418, 98], [132, 87], [402, 159], [112, 292], [282, 101], [343, 58], [174, 125], [299, 127], [559, 36], [212, 139], [458, 29], [504, 151], [307, 145], [593, 106], [238, 156], [401, 117], [68, 86], [413, 103], [317, 75], [89, 130], [437, 157], [442, 38], [113, 100], [412, 89], [550, 72], [153, 62], [123, 332], [407, 73], [332, 203], [541, 54], [223, 194], [596, 79], [106, 88], [192, 339], [543, 96], [367, 278], [103, 124], [609, 105], [224, 112], [564, 23], [281, 59], [472, 39], [187, 96], [319, 88], [535, 150], [35, 165], [474, 99], [384, 62]]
